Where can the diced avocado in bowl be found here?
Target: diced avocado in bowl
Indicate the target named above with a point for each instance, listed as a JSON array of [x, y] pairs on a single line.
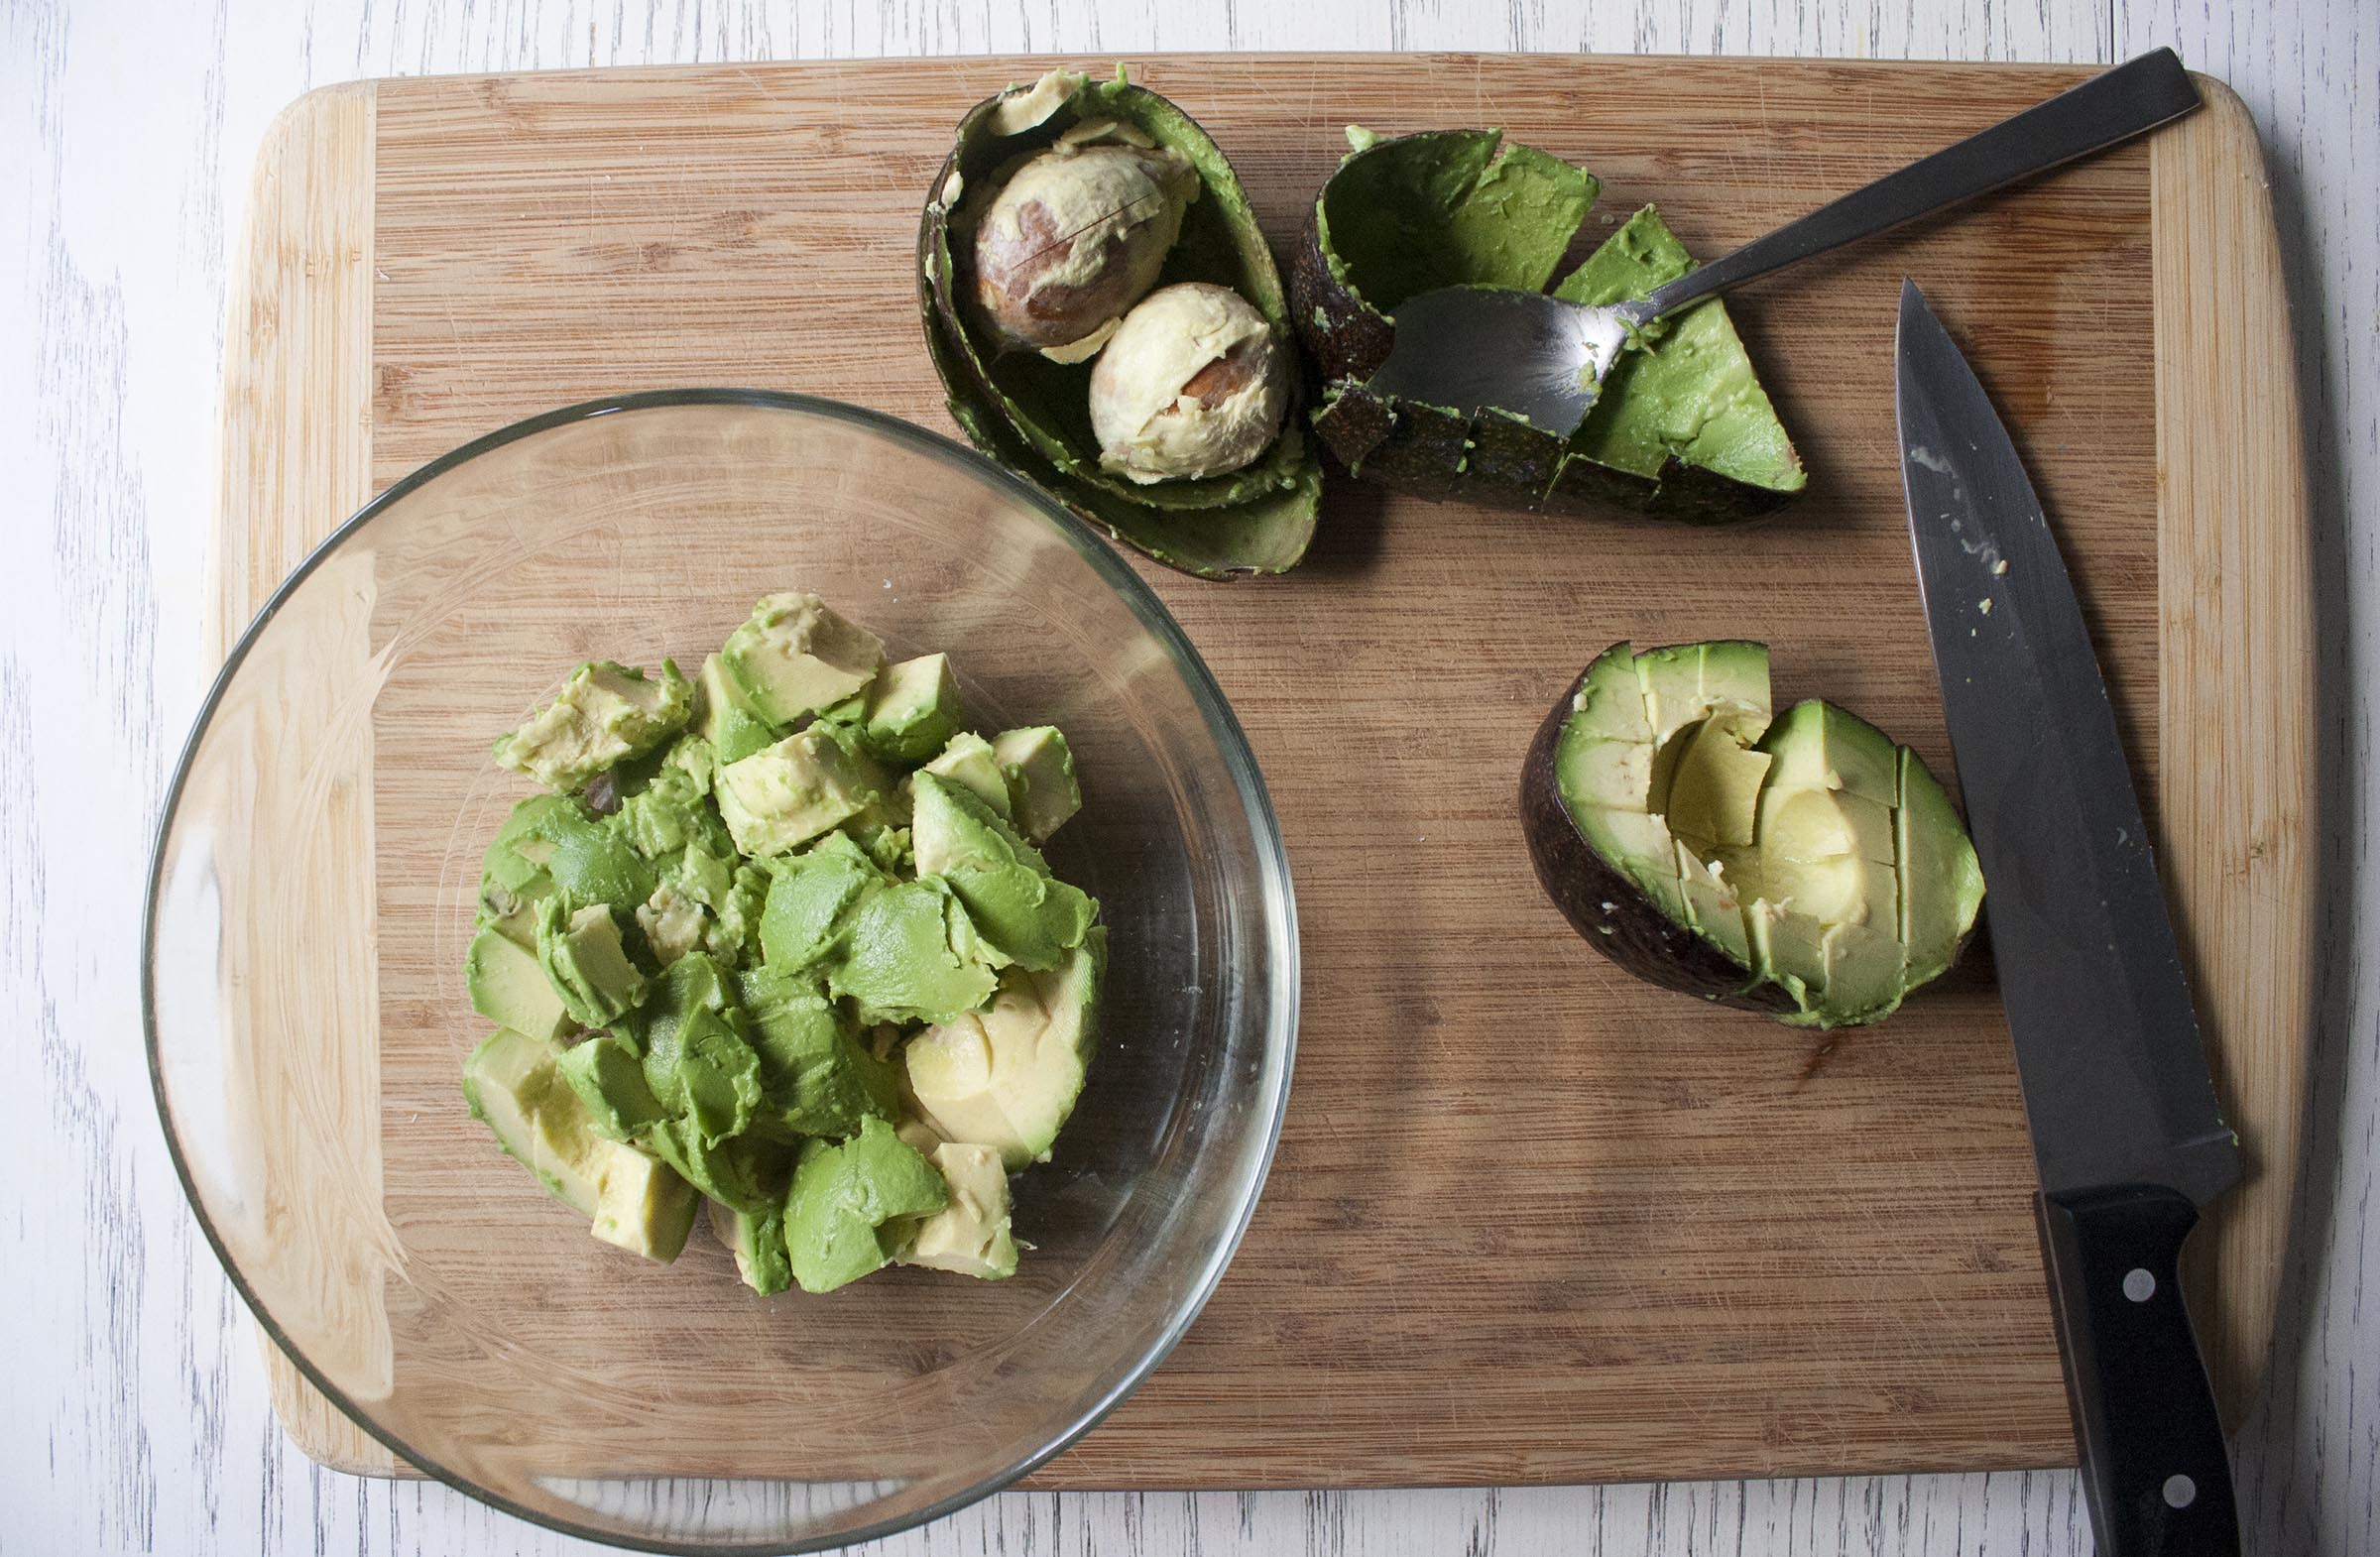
[[738, 950], [606, 714], [1802, 865]]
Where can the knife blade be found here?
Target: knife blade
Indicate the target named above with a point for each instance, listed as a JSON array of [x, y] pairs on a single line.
[[2127, 1134]]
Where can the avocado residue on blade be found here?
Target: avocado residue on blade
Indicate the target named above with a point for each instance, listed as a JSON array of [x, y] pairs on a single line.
[[1682, 429]]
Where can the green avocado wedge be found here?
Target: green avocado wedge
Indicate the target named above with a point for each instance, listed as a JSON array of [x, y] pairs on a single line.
[[1031, 413], [1801, 865], [1683, 429]]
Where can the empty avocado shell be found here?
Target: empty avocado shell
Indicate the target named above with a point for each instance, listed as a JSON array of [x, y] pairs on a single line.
[[1032, 413], [1682, 428]]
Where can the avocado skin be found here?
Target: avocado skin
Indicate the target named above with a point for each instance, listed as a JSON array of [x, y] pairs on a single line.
[[1266, 533], [1634, 934], [1496, 462]]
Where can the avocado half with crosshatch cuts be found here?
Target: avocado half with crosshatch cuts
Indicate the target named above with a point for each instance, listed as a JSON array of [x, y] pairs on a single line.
[[1682, 428], [1109, 323], [1802, 865]]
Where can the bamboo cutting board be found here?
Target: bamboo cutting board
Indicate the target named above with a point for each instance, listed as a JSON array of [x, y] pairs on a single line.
[[1529, 1221]]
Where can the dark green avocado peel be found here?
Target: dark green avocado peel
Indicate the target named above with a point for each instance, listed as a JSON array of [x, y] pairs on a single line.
[[1682, 429], [1029, 413]]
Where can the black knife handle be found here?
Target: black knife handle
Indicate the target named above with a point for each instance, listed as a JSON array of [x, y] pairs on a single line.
[[2154, 1467]]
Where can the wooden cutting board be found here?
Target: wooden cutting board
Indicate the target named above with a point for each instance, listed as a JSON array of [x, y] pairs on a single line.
[[1530, 1221]]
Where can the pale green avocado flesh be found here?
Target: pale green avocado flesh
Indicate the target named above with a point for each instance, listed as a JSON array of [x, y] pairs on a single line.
[[1817, 856], [512, 1083], [845, 1195], [1500, 215], [713, 958]]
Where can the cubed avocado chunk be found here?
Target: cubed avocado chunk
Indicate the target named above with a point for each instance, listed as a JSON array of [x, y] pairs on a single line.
[[784, 796], [912, 710], [844, 1196], [696, 1058], [606, 713], [670, 813], [1735, 682], [759, 1243], [817, 1077], [587, 859], [911, 953], [1039, 768], [745, 1173], [1641, 845], [509, 986], [672, 922], [735, 929], [512, 1083], [503, 865], [1008, 1077], [513, 914], [971, 1234], [1619, 773], [587, 965], [728, 721], [969, 762], [610, 1082], [1723, 682], [1026, 915], [951, 829], [795, 656], [811, 898], [719, 1074], [1813, 824], [1838, 972]]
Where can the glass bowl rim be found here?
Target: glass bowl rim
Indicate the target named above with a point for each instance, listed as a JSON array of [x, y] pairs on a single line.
[[1137, 594]]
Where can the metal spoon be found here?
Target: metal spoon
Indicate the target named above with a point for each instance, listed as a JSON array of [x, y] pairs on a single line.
[[1544, 359]]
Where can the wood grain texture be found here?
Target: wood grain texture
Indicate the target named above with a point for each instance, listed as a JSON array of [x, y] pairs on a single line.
[[297, 447], [1781, 1272], [141, 1422], [2237, 720]]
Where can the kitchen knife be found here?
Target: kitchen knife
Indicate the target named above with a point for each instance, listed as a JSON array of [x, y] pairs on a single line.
[[2126, 1132]]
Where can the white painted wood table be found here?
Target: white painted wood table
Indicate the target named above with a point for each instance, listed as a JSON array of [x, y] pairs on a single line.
[[131, 1405]]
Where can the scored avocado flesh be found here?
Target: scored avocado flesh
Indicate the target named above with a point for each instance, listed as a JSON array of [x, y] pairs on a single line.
[[1820, 858]]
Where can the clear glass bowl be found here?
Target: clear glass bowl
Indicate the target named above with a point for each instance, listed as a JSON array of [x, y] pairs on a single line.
[[314, 889]]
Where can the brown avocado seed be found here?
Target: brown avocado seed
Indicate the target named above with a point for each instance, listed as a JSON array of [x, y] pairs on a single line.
[[1193, 383], [1075, 237]]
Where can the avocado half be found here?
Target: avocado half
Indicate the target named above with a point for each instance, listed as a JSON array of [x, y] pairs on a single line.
[[1032, 413], [1682, 429], [1804, 865]]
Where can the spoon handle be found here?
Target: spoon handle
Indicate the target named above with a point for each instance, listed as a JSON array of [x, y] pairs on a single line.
[[2115, 105]]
